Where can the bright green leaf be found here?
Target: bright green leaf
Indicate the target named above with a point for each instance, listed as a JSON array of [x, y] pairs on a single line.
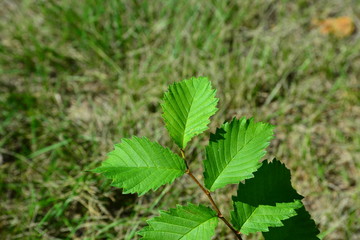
[[250, 219], [265, 200], [187, 107], [299, 227], [234, 152], [185, 222], [139, 165]]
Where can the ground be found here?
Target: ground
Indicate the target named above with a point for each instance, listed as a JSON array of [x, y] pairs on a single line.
[[77, 76]]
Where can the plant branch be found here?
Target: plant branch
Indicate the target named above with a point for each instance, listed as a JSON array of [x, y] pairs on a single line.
[[208, 194]]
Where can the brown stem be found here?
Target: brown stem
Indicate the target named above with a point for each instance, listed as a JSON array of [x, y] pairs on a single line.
[[220, 215], [208, 194]]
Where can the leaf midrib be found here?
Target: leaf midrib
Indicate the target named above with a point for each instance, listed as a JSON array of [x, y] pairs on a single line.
[[196, 227], [160, 168], [227, 164], [188, 113]]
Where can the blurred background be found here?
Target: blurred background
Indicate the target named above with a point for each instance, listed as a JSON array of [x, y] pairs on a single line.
[[77, 76]]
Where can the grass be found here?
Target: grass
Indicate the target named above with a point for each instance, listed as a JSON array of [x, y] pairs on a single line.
[[77, 76]]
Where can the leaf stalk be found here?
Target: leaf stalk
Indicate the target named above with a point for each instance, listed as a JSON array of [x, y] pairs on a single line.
[[208, 194]]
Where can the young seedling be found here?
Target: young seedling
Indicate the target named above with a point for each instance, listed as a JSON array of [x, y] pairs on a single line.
[[266, 201]]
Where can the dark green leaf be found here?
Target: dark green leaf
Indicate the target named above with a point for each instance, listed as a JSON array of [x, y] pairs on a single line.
[[300, 227], [265, 200]]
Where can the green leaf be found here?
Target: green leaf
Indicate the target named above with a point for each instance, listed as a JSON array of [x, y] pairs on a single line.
[[299, 227], [265, 200], [250, 219], [185, 223], [139, 165], [234, 152], [187, 107]]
